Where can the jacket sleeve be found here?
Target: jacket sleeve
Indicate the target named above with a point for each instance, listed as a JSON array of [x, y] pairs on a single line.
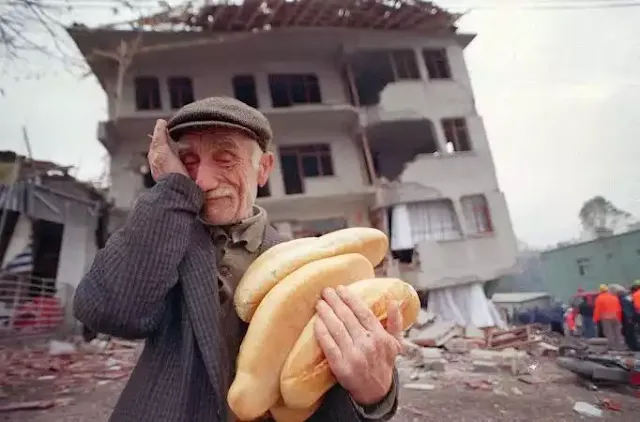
[[338, 406], [597, 309], [124, 292]]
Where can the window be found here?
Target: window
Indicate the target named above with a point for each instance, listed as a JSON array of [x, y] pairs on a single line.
[[404, 64], [456, 134], [288, 90], [437, 64], [433, 220], [583, 265], [476, 214], [244, 89], [264, 191], [303, 161], [147, 93], [180, 91]]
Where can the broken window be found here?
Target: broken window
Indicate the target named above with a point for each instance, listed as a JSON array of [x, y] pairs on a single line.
[[476, 214], [433, 220], [303, 161], [437, 63], [147, 90], [404, 64], [289, 90], [583, 265], [244, 89], [456, 135], [373, 70], [264, 191], [180, 91]]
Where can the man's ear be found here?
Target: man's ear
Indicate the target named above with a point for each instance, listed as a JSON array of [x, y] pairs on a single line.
[[264, 170]]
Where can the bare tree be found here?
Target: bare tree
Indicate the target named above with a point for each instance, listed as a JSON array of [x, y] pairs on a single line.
[[28, 26], [600, 217]]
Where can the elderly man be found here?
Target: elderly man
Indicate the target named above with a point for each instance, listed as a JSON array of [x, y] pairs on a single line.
[[168, 276]]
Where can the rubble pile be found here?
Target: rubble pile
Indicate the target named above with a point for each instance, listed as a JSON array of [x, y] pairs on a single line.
[[52, 373], [433, 345]]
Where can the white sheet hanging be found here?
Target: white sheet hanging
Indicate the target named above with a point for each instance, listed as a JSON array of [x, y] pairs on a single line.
[[465, 305], [401, 237]]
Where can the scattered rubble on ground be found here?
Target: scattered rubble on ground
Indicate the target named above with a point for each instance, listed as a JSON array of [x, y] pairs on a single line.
[[57, 370]]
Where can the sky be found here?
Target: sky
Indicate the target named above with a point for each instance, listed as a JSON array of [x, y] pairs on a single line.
[[556, 83]]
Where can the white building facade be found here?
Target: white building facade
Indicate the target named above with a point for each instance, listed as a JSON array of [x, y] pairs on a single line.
[[371, 127]]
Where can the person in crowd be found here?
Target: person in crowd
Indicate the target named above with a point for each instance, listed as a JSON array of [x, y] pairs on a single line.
[[608, 312], [628, 317], [169, 276], [585, 309]]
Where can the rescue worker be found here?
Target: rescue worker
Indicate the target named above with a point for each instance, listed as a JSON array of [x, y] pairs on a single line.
[[608, 312], [628, 316], [635, 295]]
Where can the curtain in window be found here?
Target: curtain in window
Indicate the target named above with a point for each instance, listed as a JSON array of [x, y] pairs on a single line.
[[419, 221], [476, 214]]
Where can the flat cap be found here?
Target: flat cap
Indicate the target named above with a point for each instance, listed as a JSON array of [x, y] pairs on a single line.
[[221, 112]]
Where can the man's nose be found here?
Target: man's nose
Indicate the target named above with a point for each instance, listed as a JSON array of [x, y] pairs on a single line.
[[208, 178]]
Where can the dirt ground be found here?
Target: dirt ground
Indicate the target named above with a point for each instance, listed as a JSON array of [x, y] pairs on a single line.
[[85, 387], [450, 401]]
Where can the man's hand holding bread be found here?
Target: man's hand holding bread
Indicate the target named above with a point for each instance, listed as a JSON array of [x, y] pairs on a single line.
[[359, 350]]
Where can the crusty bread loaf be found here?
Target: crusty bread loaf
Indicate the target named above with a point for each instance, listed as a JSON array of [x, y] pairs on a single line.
[[306, 375], [281, 413], [265, 273], [277, 323]]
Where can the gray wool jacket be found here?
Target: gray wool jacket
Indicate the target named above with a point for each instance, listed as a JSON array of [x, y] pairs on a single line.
[[150, 282]]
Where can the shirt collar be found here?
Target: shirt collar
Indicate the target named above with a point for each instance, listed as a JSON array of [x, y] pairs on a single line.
[[249, 231]]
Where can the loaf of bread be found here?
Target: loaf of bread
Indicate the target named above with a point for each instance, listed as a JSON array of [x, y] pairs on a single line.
[[264, 273], [306, 376], [280, 318], [281, 413]]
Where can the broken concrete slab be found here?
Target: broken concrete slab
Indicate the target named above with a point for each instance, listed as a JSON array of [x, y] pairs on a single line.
[[431, 353], [461, 345], [424, 317], [485, 366], [435, 334], [419, 386], [436, 365]]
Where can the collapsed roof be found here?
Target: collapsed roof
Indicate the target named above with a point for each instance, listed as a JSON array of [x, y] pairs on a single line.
[[257, 15]]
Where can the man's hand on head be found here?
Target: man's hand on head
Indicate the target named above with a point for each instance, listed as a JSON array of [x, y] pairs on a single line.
[[162, 158], [359, 350]]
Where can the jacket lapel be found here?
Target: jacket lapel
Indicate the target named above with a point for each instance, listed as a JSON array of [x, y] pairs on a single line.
[[200, 289]]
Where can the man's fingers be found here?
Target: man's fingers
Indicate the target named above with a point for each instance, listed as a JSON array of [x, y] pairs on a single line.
[[327, 343], [365, 317], [334, 325], [346, 315], [394, 319]]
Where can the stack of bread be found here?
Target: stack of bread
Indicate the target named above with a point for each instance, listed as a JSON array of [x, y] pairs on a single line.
[[281, 369]]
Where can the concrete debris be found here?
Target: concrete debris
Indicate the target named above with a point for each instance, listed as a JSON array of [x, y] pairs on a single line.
[[516, 391], [485, 367], [420, 387], [436, 334], [52, 371], [586, 409]]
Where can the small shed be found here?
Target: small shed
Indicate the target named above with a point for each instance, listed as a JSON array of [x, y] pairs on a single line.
[[508, 303]]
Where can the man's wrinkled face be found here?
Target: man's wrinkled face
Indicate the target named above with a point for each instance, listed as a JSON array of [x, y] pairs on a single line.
[[228, 166]]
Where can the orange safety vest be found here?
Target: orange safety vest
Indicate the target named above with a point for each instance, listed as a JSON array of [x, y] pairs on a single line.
[[607, 307], [636, 300]]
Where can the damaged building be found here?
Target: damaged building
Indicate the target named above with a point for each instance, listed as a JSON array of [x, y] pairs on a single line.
[[373, 114], [51, 225]]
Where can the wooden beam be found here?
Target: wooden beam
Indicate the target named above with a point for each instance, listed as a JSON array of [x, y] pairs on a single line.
[[257, 11], [305, 10], [326, 5], [404, 10], [295, 6], [384, 14], [236, 15], [274, 12]]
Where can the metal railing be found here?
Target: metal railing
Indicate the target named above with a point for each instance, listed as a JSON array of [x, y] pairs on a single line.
[[33, 306]]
